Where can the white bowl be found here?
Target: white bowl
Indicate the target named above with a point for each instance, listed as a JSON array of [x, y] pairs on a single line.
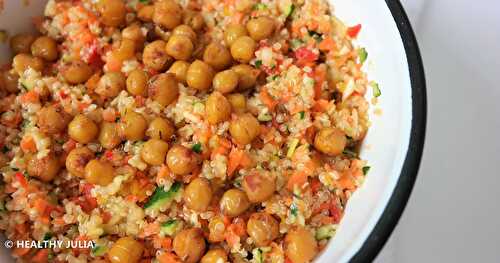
[[394, 143]]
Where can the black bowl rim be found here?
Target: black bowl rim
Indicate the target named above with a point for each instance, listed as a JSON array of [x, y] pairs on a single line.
[[399, 198]]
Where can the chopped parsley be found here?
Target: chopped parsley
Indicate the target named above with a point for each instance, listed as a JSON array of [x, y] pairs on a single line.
[[196, 148], [302, 115], [258, 63], [366, 169], [294, 210], [289, 11], [363, 55], [47, 236], [260, 6], [376, 89]]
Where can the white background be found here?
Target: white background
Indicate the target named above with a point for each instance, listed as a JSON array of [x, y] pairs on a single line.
[[454, 212]]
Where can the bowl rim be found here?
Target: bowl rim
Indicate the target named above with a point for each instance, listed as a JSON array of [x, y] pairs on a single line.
[[401, 193]]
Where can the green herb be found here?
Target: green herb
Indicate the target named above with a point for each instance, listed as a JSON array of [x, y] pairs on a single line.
[[289, 11], [325, 232], [47, 236], [258, 63], [144, 1], [302, 115], [317, 36], [98, 251], [260, 6], [294, 210], [366, 169], [24, 86], [196, 148], [363, 55], [376, 89], [160, 196], [350, 153], [275, 77]]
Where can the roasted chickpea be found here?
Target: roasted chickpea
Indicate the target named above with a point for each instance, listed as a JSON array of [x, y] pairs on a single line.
[[247, 76], [21, 62], [217, 56], [155, 56], [10, 81], [77, 72], [109, 135], [244, 128], [45, 48], [225, 81], [300, 245], [234, 202], [181, 160], [198, 194], [163, 88], [193, 19], [112, 12], [330, 141], [21, 43], [146, 13], [160, 128], [217, 108], [199, 75], [179, 47], [260, 28], [126, 250], [216, 255], [217, 229], [82, 129], [77, 159], [154, 151], [179, 69], [189, 245], [262, 228], [243, 49], [134, 33], [133, 126], [233, 32], [111, 84], [45, 168], [167, 14], [52, 119], [259, 187], [244, 5], [99, 172], [238, 103], [185, 30], [137, 81]]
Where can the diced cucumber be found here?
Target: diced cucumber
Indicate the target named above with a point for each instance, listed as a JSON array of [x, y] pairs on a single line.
[[326, 232], [289, 10], [292, 147], [171, 227], [264, 117], [98, 251], [161, 197]]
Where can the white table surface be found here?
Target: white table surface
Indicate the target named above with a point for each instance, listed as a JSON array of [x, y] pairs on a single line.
[[454, 212]]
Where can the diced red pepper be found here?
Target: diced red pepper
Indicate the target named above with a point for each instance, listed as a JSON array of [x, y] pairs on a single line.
[[335, 212], [354, 31], [304, 56], [21, 179]]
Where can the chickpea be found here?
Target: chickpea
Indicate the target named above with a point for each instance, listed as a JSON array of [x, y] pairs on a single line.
[[137, 81], [217, 229], [244, 128], [259, 187], [134, 33], [146, 13], [109, 135], [10, 81], [330, 141], [247, 76], [225, 81], [167, 14], [99, 172], [217, 56], [216, 255], [244, 5], [217, 108], [44, 169], [82, 129], [112, 12], [185, 30], [181, 160], [133, 126], [45, 48], [77, 159], [52, 119], [189, 245], [198, 194], [21, 62], [154, 151], [238, 102], [21, 43], [126, 250], [262, 228], [155, 56], [199, 75], [193, 19], [234, 202], [125, 51], [164, 89], [77, 72], [260, 28], [111, 84], [179, 69], [300, 245], [179, 47], [243, 49], [160, 128], [233, 32]]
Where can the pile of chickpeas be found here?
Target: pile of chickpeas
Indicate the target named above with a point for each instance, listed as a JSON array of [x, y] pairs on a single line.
[[178, 52]]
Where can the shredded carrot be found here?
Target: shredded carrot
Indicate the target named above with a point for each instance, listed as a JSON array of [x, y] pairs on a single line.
[[91, 83], [320, 105], [28, 144], [237, 158], [41, 256], [40, 205], [168, 258], [162, 242], [29, 97], [327, 44], [22, 180], [150, 229], [298, 178], [267, 99]]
